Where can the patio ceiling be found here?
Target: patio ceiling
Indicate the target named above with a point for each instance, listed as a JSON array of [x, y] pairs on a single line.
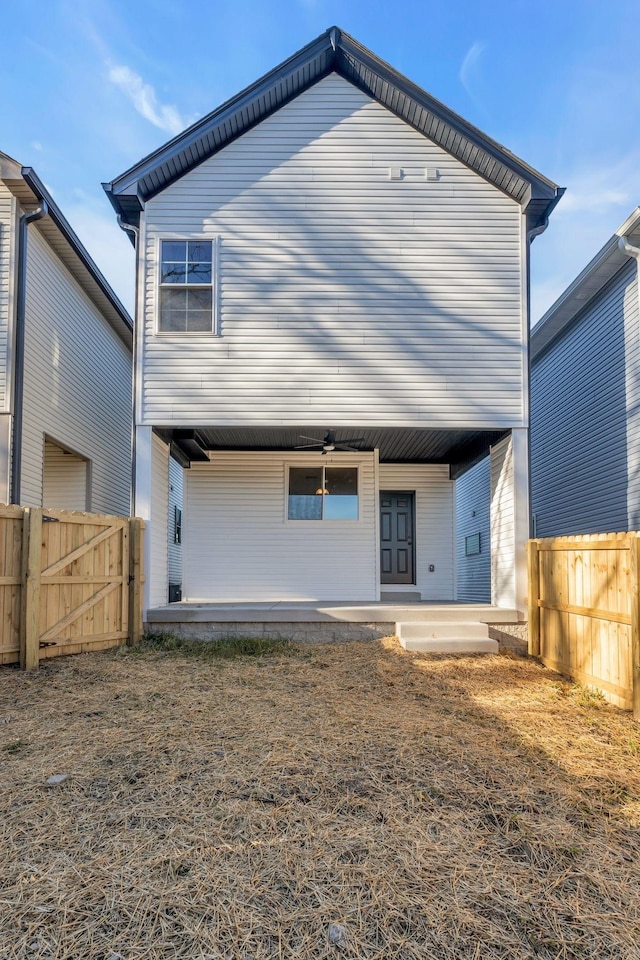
[[459, 448]]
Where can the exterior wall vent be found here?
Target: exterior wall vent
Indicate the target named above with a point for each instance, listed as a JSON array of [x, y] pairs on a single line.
[[431, 173], [396, 173]]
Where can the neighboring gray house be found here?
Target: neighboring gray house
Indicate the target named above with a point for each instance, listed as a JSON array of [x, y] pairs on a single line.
[[65, 361], [473, 533], [585, 398], [332, 327]]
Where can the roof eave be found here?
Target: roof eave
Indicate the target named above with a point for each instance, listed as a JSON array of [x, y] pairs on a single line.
[[541, 186], [335, 51], [127, 184]]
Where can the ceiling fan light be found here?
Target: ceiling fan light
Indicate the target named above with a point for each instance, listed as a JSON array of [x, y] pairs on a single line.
[[329, 447]]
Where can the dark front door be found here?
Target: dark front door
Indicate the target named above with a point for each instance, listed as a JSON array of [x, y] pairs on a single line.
[[396, 537]]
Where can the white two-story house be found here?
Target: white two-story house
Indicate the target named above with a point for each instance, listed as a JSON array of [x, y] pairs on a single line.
[[332, 327]]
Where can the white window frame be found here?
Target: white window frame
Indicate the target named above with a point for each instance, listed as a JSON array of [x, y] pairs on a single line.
[[214, 285], [315, 524]]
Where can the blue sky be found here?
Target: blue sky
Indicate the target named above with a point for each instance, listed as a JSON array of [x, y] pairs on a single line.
[[88, 87]]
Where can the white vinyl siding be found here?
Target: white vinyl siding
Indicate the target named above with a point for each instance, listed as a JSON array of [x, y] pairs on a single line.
[[238, 544], [176, 484], [159, 547], [345, 297], [77, 383], [65, 479], [473, 517], [433, 535], [7, 231], [503, 533]]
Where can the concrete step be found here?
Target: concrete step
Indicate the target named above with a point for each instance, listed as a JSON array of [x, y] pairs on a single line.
[[446, 637]]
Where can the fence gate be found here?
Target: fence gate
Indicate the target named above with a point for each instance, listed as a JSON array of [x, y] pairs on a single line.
[[76, 584]]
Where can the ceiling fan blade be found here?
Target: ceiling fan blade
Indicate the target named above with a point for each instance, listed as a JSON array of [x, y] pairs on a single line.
[[351, 440], [305, 446], [344, 446], [301, 436]]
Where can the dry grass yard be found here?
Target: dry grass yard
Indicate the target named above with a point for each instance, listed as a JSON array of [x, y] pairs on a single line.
[[327, 802]]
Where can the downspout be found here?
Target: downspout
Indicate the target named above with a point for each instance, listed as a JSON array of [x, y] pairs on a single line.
[[135, 233], [18, 365]]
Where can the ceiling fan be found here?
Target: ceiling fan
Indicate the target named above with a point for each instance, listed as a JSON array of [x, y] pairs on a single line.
[[329, 443]]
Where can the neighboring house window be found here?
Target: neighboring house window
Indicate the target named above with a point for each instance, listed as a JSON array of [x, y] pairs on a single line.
[[472, 546], [177, 525], [186, 286], [323, 493]]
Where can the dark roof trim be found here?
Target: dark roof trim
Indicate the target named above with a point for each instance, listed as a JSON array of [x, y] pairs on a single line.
[[334, 51], [40, 191], [609, 260]]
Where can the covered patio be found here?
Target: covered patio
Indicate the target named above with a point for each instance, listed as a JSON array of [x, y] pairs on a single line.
[[261, 548]]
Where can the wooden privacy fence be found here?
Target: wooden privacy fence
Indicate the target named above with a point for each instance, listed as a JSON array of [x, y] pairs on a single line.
[[584, 611], [69, 582]]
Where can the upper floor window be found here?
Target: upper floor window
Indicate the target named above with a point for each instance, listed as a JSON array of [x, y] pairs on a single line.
[[186, 286]]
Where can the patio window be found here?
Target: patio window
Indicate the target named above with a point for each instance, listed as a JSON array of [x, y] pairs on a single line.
[[323, 493], [186, 286]]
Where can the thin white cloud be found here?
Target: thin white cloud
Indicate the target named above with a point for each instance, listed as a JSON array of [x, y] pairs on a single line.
[[468, 68], [598, 199], [107, 244], [36, 145], [604, 187], [143, 97], [574, 201]]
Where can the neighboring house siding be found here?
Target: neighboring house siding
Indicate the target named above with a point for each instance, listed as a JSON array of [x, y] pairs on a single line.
[[473, 516], [585, 404], [158, 547], [7, 231], [77, 383], [65, 479], [434, 520], [344, 297], [632, 376], [238, 544], [503, 574], [176, 483]]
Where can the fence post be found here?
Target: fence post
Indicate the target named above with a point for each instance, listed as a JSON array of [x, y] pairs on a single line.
[[30, 607], [634, 543], [534, 596], [136, 579]]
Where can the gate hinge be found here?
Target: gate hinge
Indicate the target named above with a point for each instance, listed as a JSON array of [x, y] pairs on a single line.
[[48, 643], [46, 519]]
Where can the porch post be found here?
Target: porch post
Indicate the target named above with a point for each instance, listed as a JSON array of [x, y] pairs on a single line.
[[510, 520], [142, 502]]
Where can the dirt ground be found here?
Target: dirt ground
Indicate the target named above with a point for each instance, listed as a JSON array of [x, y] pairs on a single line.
[[322, 802]]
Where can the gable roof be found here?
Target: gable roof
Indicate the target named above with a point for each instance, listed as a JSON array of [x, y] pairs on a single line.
[[611, 258], [334, 52], [26, 186]]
